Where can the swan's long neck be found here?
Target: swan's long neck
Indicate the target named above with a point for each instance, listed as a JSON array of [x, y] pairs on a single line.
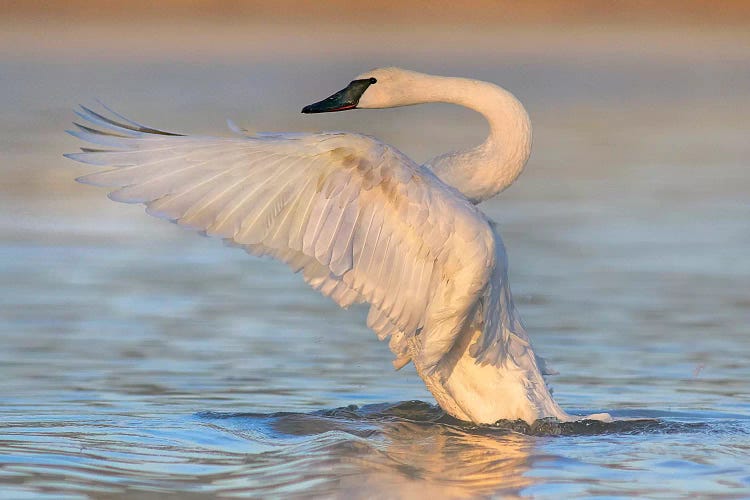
[[485, 170]]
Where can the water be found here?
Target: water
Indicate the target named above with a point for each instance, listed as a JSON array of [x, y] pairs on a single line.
[[141, 360]]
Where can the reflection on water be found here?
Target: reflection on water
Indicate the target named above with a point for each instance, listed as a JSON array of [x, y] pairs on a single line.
[[410, 448], [137, 359], [417, 450]]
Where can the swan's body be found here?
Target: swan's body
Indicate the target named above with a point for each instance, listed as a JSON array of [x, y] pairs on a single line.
[[363, 223]]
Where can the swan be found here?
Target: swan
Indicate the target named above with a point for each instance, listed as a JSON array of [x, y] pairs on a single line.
[[363, 223]]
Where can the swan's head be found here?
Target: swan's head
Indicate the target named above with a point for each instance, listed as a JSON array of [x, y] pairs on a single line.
[[378, 88]]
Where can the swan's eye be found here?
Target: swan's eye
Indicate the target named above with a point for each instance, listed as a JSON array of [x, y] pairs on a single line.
[[373, 80]]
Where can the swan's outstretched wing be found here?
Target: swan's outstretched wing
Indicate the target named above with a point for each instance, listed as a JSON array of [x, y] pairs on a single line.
[[360, 220]]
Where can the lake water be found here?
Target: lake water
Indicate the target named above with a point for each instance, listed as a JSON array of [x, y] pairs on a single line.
[[140, 360]]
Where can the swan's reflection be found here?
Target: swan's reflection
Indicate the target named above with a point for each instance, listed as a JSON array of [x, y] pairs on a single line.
[[440, 461], [406, 450]]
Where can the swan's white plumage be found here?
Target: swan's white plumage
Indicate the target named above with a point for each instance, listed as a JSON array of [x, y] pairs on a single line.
[[360, 220], [363, 223]]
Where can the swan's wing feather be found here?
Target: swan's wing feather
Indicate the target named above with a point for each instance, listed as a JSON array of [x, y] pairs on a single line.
[[361, 221], [503, 333]]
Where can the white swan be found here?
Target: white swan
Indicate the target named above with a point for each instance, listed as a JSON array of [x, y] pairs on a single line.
[[364, 223]]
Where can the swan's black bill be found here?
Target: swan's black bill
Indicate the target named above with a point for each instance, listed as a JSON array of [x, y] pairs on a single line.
[[341, 100]]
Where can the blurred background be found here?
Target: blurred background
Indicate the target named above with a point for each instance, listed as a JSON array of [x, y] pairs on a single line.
[[658, 82], [628, 237]]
